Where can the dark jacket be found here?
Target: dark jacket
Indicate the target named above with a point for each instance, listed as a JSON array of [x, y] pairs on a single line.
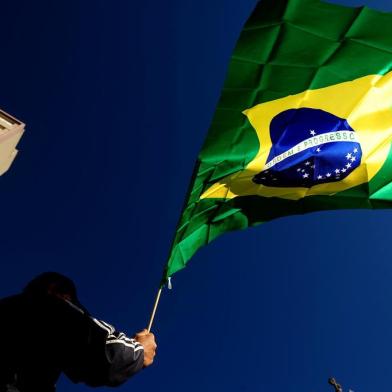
[[43, 336]]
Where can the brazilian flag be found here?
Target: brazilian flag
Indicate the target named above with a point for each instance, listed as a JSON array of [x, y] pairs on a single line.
[[304, 122]]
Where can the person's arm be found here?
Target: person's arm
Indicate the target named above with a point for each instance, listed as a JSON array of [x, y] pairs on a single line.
[[99, 355], [125, 355]]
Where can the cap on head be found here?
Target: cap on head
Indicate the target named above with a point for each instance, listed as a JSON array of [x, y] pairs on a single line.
[[52, 283]]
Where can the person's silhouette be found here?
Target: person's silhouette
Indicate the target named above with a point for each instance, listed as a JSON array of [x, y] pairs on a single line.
[[45, 331]]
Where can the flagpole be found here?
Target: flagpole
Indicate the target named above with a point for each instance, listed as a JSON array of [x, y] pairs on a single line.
[[166, 279], [154, 308]]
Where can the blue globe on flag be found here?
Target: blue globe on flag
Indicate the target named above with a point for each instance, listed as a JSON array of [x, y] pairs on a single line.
[[309, 147]]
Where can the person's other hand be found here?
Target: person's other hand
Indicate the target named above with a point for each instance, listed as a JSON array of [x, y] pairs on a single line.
[[147, 339]]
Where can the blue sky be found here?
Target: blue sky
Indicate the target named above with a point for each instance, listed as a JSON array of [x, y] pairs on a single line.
[[118, 97]]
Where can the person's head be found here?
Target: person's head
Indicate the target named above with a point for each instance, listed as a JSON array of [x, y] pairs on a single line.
[[53, 283]]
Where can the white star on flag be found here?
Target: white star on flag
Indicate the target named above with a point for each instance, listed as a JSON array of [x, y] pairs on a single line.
[[306, 175], [337, 171], [355, 150], [348, 156], [312, 132], [328, 174], [318, 149]]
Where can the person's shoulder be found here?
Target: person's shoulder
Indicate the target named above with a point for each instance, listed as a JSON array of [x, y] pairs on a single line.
[[66, 314]]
